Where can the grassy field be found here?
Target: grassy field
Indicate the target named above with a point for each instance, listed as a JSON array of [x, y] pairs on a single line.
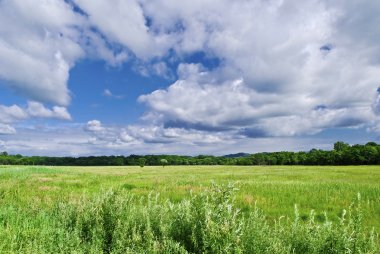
[[274, 189]]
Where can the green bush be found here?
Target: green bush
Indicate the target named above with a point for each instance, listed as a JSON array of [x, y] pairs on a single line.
[[118, 222]]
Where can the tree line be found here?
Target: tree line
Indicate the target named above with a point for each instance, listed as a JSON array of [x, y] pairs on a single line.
[[342, 154]]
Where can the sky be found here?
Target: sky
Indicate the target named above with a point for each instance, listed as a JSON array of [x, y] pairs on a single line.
[[120, 77]]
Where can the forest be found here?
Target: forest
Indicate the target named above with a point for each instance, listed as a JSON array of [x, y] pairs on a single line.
[[342, 154]]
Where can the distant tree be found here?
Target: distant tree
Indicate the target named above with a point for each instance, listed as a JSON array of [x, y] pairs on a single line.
[[340, 146], [342, 154], [371, 144], [118, 161], [164, 162], [142, 162]]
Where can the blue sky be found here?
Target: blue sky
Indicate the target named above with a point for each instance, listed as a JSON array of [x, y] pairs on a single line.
[[84, 77]]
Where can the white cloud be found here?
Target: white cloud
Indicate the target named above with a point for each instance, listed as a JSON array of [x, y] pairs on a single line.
[[139, 135], [126, 137], [36, 109], [11, 114], [159, 134], [200, 102], [6, 129], [73, 140], [291, 59], [110, 136], [283, 68], [123, 22], [65, 140], [96, 47], [14, 113], [37, 50], [158, 69], [94, 126], [314, 122], [109, 94], [40, 41]]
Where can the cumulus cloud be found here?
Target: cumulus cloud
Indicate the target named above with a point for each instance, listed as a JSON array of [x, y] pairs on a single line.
[[160, 134], [6, 129], [312, 123], [159, 69], [151, 134], [287, 68], [155, 139], [94, 126], [200, 101], [74, 141], [14, 113], [63, 140], [36, 109], [9, 114], [37, 38], [40, 41], [283, 68], [124, 22], [107, 135]]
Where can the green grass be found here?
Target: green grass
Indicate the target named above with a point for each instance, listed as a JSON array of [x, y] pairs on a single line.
[[273, 189]]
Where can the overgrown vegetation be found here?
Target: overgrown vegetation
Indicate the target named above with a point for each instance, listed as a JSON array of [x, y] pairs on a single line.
[[208, 222], [44, 209], [275, 188], [342, 154]]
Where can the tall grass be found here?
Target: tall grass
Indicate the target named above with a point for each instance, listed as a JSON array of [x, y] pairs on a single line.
[[208, 222]]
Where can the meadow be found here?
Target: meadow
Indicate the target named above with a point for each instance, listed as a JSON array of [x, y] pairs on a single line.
[[190, 209]]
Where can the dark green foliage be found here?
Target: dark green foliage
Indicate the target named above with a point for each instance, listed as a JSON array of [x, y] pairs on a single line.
[[142, 162], [164, 162], [342, 154], [118, 222]]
